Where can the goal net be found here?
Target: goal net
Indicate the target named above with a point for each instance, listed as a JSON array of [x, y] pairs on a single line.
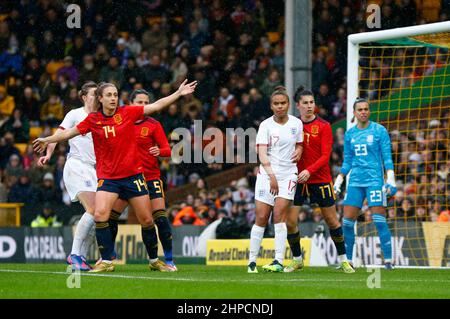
[[405, 75]]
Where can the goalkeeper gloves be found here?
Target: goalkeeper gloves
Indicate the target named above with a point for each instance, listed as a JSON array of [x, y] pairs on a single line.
[[337, 184], [390, 188]]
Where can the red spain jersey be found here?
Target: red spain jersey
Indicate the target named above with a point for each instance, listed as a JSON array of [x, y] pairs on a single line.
[[149, 132], [317, 145], [115, 145]]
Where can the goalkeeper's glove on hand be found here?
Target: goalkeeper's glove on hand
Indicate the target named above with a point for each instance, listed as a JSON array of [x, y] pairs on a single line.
[[337, 184], [390, 188]]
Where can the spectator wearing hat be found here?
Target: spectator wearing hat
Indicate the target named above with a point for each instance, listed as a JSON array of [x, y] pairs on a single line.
[[121, 51], [14, 170], [47, 218], [49, 192]]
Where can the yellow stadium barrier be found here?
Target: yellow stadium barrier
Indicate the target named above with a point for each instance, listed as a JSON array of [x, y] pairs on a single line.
[[10, 214]]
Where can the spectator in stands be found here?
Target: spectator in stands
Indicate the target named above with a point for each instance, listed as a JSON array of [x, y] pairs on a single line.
[[112, 73], [406, 210], [7, 103], [7, 149], [14, 169], [29, 157], [187, 216], [324, 101], [23, 191], [19, 126], [49, 192], [52, 111], [270, 83], [171, 119], [155, 71], [68, 70], [47, 218], [89, 70], [225, 103], [29, 104]]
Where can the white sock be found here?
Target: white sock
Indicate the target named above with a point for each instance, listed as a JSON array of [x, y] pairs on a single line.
[[280, 241], [81, 232], [88, 242], [153, 260], [256, 237], [342, 258], [297, 258]]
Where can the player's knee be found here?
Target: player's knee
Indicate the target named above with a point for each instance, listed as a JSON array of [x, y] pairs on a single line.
[[147, 221], [101, 215]]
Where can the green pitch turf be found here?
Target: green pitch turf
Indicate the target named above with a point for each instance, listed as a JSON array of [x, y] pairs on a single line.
[[199, 281]]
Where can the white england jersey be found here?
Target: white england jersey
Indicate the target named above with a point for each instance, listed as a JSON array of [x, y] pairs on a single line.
[[81, 147], [281, 141]]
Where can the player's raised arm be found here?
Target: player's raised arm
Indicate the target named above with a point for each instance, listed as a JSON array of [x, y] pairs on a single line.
[[40, 144], [48, 154], [184, 89]]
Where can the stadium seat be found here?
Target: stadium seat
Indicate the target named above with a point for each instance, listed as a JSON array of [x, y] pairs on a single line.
[[21, 147], [35, 132]]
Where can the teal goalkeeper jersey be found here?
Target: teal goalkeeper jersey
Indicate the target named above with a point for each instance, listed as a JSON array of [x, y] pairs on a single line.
[[367, 153]]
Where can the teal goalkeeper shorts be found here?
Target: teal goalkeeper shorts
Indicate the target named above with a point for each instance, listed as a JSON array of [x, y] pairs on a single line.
[[375, 196]]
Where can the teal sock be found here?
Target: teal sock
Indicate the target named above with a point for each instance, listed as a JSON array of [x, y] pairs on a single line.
[[349, 236], [385, 235]]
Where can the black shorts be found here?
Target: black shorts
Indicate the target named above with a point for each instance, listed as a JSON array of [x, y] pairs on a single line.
[[128, 187], [322, 194], [155, 188]]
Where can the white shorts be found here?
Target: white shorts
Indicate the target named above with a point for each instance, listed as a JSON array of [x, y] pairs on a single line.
[[79, 177], [286, 188]]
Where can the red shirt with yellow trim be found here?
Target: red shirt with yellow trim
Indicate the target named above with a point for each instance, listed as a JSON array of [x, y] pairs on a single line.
[[317, 146], [115, 145], [149, 133]]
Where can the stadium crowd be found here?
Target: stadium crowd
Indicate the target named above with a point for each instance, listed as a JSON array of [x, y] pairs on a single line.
[[234, 49]]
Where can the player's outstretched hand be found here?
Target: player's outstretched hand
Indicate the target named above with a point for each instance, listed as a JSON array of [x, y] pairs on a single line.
[[154, 150], [337, 184], [188, 88], [389, 190], [296, 156], [40, 145], [303, 176], [43, 160], [273, 185]]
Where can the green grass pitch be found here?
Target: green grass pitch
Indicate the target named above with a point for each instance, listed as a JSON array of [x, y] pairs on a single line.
[[207, 282]]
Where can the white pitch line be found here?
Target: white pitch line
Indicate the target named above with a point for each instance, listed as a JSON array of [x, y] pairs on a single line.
[[255, 280]]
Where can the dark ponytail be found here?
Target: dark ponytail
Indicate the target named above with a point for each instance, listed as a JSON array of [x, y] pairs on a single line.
[[138, 91], [300, 92]]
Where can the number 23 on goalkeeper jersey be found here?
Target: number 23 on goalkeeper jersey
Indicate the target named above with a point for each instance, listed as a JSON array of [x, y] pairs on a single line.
[[367, 153]]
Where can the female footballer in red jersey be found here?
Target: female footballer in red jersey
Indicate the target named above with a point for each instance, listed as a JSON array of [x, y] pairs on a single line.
[[314, 180], [119, 167], [152, 142]]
